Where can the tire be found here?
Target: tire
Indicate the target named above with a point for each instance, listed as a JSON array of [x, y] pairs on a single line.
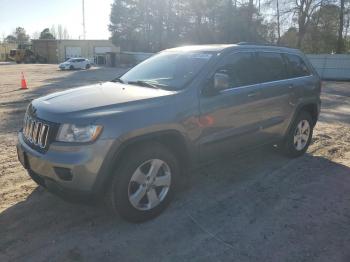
[[88, 66], [123, 187], [71, 67], [296, 149]]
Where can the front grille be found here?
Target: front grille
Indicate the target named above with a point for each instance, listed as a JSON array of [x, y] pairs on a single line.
[[36, 132]]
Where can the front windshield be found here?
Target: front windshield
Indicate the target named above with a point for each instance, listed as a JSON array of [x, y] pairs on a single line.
[[168, 70]]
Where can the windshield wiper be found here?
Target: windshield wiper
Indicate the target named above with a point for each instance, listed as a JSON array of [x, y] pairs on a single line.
[[115, 80], [144, 84]]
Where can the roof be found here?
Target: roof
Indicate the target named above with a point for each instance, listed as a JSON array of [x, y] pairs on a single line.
[[203, 48], [219, 48], [82, 40]]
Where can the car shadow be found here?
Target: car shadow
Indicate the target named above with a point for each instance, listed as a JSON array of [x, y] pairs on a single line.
[[254, 206]]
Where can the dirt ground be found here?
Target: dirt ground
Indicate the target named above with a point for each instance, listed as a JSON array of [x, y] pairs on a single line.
[[258, 206]]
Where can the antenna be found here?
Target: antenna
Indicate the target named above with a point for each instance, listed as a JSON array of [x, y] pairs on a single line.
[[84, 30]]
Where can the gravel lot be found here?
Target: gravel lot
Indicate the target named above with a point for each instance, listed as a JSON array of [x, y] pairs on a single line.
[[258, 206]]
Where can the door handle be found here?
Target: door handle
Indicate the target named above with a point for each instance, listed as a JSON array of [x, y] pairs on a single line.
[[291, 86]]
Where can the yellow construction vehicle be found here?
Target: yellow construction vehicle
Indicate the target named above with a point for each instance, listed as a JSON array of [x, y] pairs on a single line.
[[24, 54]]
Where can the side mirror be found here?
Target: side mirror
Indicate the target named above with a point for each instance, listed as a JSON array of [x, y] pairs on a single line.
[[221, 81]]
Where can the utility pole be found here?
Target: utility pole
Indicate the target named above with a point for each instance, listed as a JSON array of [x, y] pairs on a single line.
[[84, 30]]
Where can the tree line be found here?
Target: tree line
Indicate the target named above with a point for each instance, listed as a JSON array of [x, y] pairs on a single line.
[[316, 26], [20, 35]]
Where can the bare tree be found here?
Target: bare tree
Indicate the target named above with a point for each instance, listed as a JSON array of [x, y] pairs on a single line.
[[303, 10], [340, 42], [275, 6], [278, 22], [36, 35], [53, 31], [59, 32], [65, 34]]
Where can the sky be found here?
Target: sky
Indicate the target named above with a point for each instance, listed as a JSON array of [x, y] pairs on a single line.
[[35, 15]]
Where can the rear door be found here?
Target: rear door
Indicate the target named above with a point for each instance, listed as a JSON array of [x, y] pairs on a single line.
[[299, 74], [230, 120], [82, 63], [76, 63], [277, 94]]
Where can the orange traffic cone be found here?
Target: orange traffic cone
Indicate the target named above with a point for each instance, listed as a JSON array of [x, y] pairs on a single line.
[[23, 83]]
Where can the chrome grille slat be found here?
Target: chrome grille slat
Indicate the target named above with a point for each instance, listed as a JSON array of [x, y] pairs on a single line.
[[31, 130], [27, 126], [44, 136], [35, 131]]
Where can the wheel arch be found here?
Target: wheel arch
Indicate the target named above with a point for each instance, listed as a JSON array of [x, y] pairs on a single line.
[[312, 109], [171, 139]]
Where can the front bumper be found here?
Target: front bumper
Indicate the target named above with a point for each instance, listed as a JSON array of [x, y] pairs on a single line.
[[64, 67], [82, 162]]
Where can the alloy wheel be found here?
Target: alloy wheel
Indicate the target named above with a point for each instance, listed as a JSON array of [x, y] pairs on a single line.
[[149, 184], [301, 135]]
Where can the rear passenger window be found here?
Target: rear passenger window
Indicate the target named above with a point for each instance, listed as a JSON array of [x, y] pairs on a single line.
[[296, 66], [271, 67], [239, 67]]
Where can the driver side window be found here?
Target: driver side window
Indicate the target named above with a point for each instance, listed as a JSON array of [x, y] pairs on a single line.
[[240, 69]]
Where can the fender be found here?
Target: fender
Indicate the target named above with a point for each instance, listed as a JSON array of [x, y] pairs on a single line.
[[310, 102], [120, 145]]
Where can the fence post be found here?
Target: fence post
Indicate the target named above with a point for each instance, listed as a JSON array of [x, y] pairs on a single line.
[[324, 66]]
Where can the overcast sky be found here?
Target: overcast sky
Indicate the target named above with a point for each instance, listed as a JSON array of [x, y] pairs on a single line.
[[35, 15]]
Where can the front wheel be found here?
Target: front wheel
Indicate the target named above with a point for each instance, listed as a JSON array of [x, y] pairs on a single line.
[[145, 182], [88, 66], [299, 137]]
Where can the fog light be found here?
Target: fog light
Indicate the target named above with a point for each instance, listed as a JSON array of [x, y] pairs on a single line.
[[63, 173]]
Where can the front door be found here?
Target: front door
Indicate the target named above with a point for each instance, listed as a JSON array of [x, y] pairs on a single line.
[[231, 119]]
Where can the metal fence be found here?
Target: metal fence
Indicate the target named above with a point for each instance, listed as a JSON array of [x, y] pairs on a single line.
[[331, 67], [131, 58], [328, 66]]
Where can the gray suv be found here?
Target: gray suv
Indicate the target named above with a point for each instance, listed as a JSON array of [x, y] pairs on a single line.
[[129, 140]]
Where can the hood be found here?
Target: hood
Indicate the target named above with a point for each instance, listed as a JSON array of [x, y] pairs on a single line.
[[93, 98]]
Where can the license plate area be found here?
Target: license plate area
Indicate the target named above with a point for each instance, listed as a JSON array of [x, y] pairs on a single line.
[[23, 158]]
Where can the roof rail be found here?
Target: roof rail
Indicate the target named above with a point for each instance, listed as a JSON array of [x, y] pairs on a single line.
[[253, 43]]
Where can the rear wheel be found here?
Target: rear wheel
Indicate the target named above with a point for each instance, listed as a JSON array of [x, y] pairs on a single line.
[[299, 137], [144, 184]]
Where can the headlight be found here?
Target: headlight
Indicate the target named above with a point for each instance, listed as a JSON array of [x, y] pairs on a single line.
[[78, 133]]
